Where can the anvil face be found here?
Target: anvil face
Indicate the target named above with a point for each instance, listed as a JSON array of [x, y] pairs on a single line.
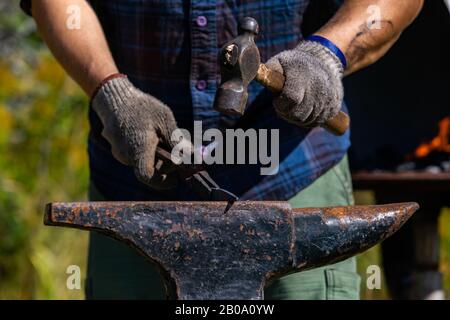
[[206, 254]]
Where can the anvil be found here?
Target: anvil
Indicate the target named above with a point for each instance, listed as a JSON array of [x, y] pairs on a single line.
[[203, 253]]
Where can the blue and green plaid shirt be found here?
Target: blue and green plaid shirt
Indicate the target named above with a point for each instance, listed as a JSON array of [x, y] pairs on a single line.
[[169, 48]]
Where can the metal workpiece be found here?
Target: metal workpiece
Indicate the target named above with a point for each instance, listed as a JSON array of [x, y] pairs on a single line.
[[196, 177], [203, 253]]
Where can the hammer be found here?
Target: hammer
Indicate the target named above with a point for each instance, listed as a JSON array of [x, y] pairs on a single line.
[[240, 63], [204, 254]]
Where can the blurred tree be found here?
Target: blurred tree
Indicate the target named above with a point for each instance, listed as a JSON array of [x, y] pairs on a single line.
[[43, 130]]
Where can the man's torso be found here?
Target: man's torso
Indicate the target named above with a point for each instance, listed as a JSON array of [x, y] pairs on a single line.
[[169, 50]]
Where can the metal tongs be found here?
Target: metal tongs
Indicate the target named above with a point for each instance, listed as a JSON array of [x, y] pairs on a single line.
[[198, 179]]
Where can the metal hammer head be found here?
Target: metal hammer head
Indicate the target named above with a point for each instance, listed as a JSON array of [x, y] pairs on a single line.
[[239, 63]]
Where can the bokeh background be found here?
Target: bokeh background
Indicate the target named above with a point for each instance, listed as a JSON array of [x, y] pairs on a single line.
[[43, 129], [43, 158]]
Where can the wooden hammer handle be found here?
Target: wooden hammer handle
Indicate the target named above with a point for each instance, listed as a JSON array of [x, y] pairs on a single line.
[[274, 81]]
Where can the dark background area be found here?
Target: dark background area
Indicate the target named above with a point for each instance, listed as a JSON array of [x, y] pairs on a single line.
[[397, 103]]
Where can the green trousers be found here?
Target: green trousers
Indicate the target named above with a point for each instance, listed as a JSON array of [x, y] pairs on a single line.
[[116, 271]]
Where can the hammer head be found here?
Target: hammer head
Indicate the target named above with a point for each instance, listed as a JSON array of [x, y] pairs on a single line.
[[239, 63]]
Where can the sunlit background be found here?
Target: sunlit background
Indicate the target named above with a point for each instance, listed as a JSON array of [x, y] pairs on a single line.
[[43, 130]]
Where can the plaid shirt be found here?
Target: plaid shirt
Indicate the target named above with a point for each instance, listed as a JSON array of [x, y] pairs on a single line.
[[169, 49]]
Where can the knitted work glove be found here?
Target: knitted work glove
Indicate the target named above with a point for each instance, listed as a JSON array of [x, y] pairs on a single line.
[[313, 91], [134, 123]]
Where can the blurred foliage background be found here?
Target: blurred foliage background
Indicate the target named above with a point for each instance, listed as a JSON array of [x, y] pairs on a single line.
[[43, 132], [43, 129]]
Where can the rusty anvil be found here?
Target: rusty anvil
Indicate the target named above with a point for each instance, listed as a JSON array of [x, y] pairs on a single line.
[[203, 253]]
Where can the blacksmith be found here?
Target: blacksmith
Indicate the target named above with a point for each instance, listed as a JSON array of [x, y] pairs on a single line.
[[151, 65]]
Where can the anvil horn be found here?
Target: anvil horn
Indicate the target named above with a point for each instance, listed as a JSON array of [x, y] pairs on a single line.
[[329, 235], [205, 254]]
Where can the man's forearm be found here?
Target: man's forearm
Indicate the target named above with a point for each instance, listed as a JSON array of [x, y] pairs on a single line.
[[83, 52], [365, 37]]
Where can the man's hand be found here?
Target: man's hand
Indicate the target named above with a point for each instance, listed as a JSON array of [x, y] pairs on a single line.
[[313, 90], [134, 123], [364, 30]]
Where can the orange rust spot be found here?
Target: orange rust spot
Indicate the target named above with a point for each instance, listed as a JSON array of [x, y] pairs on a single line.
[[76, 211], [337, 211]]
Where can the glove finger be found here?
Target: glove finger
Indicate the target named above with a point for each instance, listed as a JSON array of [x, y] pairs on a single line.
[[117, 145], [311, 110], [326, 106], [274, 64], [290, 103], [331, 112], [144, 162], [184, 147], [165, 126], [321, 119]]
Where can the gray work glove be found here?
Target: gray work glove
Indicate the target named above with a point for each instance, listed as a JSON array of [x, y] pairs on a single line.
[[134, 123], [313, 91]]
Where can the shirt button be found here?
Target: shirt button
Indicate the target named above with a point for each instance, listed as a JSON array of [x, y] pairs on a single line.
[[201, 85], [202, 21]]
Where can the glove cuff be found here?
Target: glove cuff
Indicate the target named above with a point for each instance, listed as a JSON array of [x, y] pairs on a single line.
[[104, 81], [319, 51], [331, 46], [116, 90]]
